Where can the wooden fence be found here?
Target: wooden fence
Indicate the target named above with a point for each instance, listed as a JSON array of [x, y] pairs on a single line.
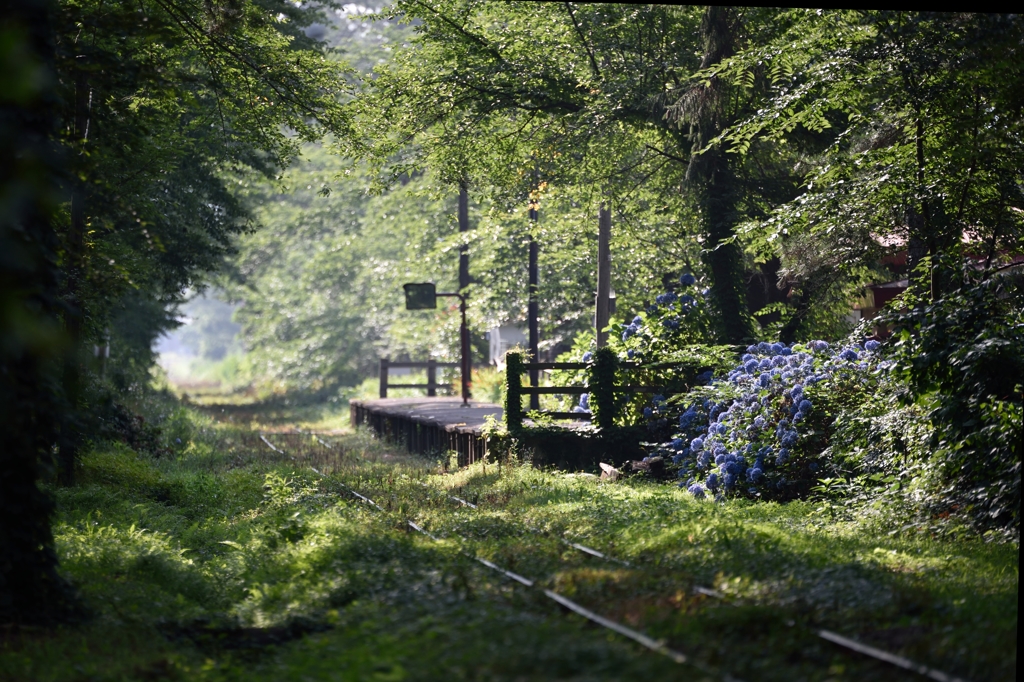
[[602, 389], [430, 365]]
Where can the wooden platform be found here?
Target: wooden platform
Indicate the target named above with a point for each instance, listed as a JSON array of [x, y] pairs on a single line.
[[429, 426]]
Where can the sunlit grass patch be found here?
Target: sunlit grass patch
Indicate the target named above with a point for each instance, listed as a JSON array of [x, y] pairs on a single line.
[[242, 563]]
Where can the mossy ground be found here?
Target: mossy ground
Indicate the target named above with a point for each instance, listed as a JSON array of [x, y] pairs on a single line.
[[228, 561]]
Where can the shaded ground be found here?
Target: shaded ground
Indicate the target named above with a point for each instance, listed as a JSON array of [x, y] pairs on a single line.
[[230, 561]]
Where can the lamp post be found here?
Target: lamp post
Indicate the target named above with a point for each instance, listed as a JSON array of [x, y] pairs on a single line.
[[423, 296]]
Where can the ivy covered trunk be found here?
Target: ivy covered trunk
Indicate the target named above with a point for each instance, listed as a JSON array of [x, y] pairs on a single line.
[[714, 182], [602, 387], [513, 393]]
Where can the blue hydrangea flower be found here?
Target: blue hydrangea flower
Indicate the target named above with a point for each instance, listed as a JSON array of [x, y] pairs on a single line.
[[764, 380], [648, 413], [677, 444], [713, 482], [871, 345], [730, 480], [848, 354], [755, 475], [638, 321], [697, 444], [697, 490], [798, 417], [686, 299], [585, 401], [629, 353], [588, 356], [687, 280], [751, 366], [805, 406]]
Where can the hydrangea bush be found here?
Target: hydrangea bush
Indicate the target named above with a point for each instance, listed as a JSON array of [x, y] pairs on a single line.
[[668, 343], [676, 318], [760, 430]]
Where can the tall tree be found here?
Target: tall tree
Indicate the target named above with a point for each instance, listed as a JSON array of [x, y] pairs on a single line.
[[166, 103], [600, 99], [706, 108], [30, 335], [925, 114], [159, 106]]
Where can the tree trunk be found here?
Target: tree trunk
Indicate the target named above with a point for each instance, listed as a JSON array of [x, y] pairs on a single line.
[[712, 179], [31, 590], [74, 316]]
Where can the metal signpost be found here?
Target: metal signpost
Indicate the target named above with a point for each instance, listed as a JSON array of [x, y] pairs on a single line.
[[423, 296]]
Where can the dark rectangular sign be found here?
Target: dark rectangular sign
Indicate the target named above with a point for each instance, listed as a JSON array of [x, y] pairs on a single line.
[[420, 296]]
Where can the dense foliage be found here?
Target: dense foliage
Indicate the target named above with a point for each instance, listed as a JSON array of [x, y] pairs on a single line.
[[962, 358], [762, 165], [131, 123]]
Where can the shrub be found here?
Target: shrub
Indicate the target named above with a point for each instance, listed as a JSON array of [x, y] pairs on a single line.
[[961, 358], [760, 431]]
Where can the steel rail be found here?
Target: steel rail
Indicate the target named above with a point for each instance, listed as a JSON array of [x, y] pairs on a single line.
[[835, 638], [827, 635], [562, 600], [885, 656]]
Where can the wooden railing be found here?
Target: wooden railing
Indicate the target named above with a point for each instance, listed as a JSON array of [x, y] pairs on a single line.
[[430, 365], [601, 388]]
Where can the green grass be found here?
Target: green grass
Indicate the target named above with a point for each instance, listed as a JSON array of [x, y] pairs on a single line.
[[230, 562]]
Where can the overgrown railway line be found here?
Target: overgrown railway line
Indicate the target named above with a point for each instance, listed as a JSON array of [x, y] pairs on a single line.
[[324, 453]]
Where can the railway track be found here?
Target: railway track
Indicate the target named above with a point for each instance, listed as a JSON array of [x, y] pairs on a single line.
[[847, 644]]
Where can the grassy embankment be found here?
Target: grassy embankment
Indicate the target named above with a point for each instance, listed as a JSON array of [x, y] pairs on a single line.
[[228, 561]]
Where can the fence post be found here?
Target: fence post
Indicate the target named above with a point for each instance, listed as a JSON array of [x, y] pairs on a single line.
[[602, 387], [384, 377], [431, 377], [514, 392]]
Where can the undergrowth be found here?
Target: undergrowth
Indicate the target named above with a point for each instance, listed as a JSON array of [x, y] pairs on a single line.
[[225, 561]]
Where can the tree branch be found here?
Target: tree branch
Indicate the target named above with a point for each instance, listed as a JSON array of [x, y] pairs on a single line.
[[586, 46]]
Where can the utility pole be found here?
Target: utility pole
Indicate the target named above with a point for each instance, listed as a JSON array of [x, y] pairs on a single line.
[[532, 309], [464, 281], [604, 273]]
